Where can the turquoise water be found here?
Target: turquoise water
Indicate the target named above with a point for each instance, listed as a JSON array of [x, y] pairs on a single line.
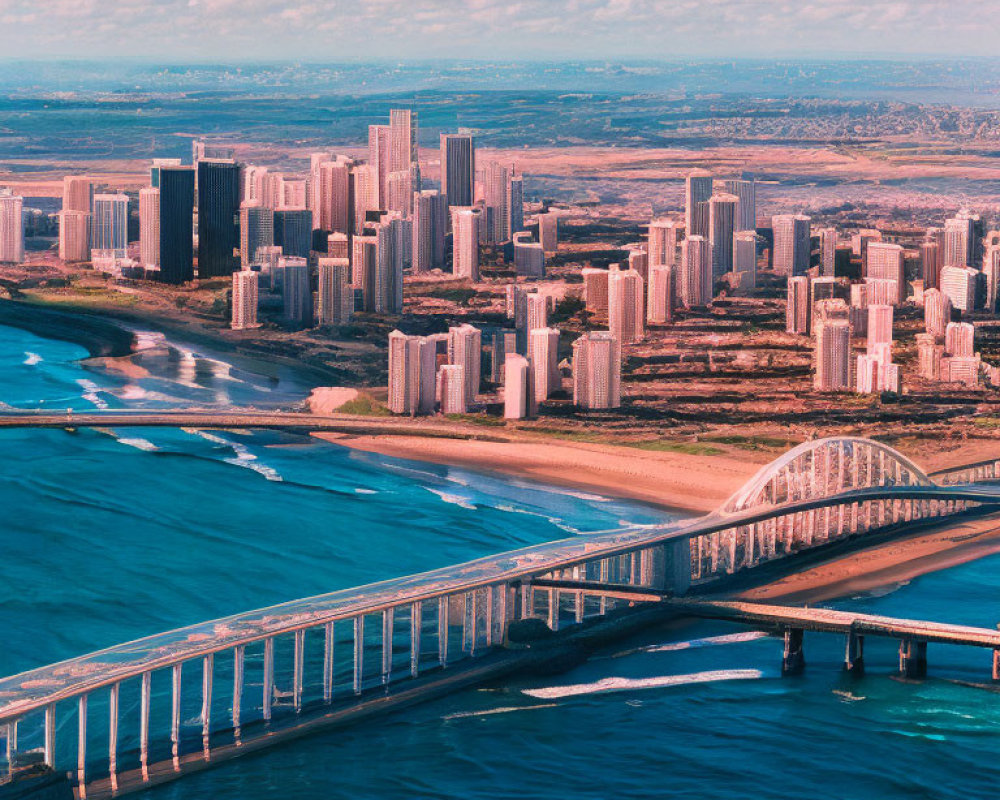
[[109, 536]]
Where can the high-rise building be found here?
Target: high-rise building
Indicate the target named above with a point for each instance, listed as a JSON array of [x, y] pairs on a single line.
[[828, 252], [218, 217], [745, 257], [364, 267], [497, 197], [860, 241], [244, 300], [537, 310], [465, 244], [519, 394], [109, 222], [149, 227], [399, 192], [332, 208], [516, 204], [832, 365], [662, 242], [595, 289], [959, 339], [959, 284], [746, 191], [451, 389], [176, 207], [930, 264], [293, 231], [394, 239], [548, 231], [698, 190], [267, 259], [154, 169], [465, 348], [960, 240], [937, 311], [402, 139], [791, 243], [74, 234], [412, 364], [660, 294], [597, 371], [502, 342], [543, 353], [458, 169], [529, 256], [338, 246], [336, 296], [696, 271], [11, 227], [722, 212], [296, 291], [885, 262], [798, 309], [879, 327], [256, 231], [638, 260], [929, 355], [626, 319], [364, 186], [379, 146], [991, 275], [78, 194], [430, 210]]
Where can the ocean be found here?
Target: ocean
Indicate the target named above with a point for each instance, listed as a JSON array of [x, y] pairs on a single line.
[[112, 535]]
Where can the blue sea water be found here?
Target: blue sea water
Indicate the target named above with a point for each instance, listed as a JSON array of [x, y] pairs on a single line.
[[107, 536]]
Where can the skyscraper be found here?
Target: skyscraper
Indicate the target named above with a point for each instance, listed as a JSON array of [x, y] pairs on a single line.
[[745, 257], [548, 231], [465, 243], [626, 320], [78, 193], [662, 242], [543, 353], [244, 300], [722, 210], [959, 339], [411, 374], [451, 389], [296, 291], [11, 227], [256, 231], [885, 261], [515, 203], [332, 207], [149, 227], [597, 371], [218, 217], [293, 231], [529, 256], [74, 234], [336, 296], [595, 289], [798, 307], [430, 221], [458, 169], [959, 284], [791, 244], [154, 169], [832, 365], [879, 327], [537, 311], [660, 296], [497, 197], [745, 191], [109, 222], [465, 348], [930, 263], [338, 246], [698, 190], [379, 146], [937, 311], [176, 204], [960, 240], [828, 252], [696, 271], [519, 394], [402, 139]]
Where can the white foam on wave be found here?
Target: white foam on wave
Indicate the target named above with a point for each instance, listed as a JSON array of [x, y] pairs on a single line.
[[549, 489], [30, 359], [359, 490], [607, 685], [502, 710], [138, 443], [132, 392], [454, 499], [559, 523], [91, 393], [708, 641], [242, 456]]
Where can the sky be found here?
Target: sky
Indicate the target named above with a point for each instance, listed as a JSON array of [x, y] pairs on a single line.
[[340, 30]]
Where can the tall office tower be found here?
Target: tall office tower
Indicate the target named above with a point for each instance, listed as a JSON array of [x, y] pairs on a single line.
[[595, 289], [879, 327], [959, 339], [430, 209], [858, 310], [465, 243], [313, 186], [394, 237], [267, 259], [791, 244], [244, 300], [959, 284], [930, 264], [218, 217], [497, 197], [332, 190], [290, 193], [929, 355], [537, 311], [458, 169], [412, 365], [364, 268], [662, 242], [402, 139], [515, 202], [365, 180], [638, 260], [451, 389], [660, 294], [883, 291], [746, 192], [502, 342], [885, 262], [11, 227], [798, 309], [832, 363], [548, 231], [378, 159], [519, 394], [296, 291], [78, 194], [256, 231], [543, 353], [74, 234], [255, 185], [745, 257], [293, 231], [338, 246], [958, 241], [597, 371], [828, 252], [109, 222], [176, 258], [529, 256], [991, 272], [399, 193], [336, 297], [698, 190], [937, 311], [465, 348], [696, 271], [722, 210], [626, 319], [154, 169], [149, 227], [860, 241]]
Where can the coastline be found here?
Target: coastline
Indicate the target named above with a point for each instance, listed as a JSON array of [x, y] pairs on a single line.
[[101, 337]]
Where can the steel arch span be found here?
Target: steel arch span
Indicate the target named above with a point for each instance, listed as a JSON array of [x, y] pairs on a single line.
[[825, 468]]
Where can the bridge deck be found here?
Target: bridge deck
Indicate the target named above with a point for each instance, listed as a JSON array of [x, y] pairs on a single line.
[[829, 620]]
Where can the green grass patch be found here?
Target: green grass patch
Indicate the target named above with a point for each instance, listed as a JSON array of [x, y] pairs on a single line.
[[688, 448], [990, 423], [364, 405], [751, 442]]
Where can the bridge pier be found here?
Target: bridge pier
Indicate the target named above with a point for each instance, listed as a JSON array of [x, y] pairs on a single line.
[[854, 657], [996, 664], [793, 661], [913, 658]]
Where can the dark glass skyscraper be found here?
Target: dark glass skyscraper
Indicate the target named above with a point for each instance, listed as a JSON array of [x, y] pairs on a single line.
[[458, 169], [218, 218], [293, 232], [176, 203]]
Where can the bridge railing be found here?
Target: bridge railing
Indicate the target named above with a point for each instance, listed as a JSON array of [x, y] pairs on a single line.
[[146, 711], [979, 472]]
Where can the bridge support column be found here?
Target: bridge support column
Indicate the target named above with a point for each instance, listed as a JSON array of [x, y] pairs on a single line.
[[854, 657], [996, 665], [913, 658], [793, 661]]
